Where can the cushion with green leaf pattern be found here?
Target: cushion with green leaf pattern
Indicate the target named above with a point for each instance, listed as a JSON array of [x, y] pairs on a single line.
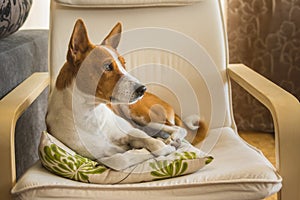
[[62, 161]]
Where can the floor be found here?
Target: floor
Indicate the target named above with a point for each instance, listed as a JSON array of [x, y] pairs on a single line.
[[266, 143]]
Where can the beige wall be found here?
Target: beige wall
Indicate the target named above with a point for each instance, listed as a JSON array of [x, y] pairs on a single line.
[[38, 16]]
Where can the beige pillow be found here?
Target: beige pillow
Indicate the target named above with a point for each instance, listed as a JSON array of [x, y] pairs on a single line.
[[62, 161]]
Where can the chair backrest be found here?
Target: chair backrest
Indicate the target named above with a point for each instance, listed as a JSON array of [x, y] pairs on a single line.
[[177, 47]]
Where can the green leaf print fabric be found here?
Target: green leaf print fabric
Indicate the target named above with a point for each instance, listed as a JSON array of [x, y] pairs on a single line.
[[74, 167]]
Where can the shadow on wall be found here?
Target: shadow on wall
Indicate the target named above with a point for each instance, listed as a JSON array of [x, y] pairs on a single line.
[[265, 35]]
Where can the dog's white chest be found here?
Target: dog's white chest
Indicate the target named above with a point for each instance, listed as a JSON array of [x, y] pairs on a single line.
[[91, 131]]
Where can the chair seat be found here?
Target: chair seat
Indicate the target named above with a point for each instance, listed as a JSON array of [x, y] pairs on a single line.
[[238, 171]]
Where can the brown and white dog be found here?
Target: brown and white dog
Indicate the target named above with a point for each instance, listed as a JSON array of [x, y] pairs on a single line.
[[81, 111]]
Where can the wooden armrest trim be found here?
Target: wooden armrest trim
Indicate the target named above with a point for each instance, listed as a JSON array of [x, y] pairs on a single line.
[[11, 107], [285, 110]]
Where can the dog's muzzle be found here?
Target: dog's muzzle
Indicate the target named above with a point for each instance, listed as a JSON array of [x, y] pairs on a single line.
[[128, 90]]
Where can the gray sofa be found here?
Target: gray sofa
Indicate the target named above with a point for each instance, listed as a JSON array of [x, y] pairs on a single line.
[[22, 54]]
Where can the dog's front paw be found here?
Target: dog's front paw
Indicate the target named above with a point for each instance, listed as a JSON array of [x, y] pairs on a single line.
[[176, 137], [175, 143]]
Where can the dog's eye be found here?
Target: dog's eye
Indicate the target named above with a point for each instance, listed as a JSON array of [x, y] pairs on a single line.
[[108, 67]]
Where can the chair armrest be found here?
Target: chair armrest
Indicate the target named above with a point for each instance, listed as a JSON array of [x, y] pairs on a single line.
[[285, 110], [11, 107]]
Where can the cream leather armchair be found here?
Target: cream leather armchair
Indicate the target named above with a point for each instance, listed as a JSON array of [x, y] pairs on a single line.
[[164, 39]]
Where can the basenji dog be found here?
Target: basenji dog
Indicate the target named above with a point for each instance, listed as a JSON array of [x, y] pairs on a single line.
[[81, 111]]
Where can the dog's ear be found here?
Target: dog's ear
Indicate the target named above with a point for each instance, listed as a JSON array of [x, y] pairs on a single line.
[[113, 38], [79, 43]]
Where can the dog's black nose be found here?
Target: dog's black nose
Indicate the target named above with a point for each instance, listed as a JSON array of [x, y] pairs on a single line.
[[141, 90]]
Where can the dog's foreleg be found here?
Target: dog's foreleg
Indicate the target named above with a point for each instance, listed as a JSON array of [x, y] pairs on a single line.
[[177, 134], [139, 139]]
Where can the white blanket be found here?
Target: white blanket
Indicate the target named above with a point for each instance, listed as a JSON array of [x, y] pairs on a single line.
[[122, 161]]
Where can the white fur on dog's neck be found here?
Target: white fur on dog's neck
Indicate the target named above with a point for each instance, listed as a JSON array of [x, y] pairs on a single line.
[[86, 127]]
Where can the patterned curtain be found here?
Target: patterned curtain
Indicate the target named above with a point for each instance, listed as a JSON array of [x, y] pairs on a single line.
[[265, 35]]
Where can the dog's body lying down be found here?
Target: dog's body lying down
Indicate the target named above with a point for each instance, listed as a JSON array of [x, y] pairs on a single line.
[[80, 111], [157, 118]]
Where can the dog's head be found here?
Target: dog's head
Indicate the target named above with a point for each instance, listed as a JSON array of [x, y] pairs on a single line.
[[100, 70]]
